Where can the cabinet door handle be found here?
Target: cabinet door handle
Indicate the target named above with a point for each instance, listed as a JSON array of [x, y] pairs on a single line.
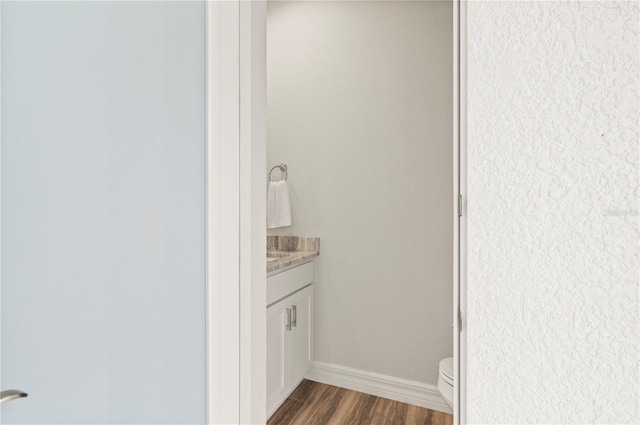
[[294, 310], [288, 327]]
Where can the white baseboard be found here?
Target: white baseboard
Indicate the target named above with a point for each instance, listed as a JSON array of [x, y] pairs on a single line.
[[398, 389]]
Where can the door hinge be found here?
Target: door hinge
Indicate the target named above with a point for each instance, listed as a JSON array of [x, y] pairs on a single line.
[[459, 321], [459, 205]]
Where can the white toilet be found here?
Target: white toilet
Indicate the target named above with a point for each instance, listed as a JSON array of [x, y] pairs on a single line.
[[445, 380]]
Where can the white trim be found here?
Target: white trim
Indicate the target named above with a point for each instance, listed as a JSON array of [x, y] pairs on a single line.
[[222, 216], [390, 387], [236, 211], [459, 229], [253, 212], [456, 208], [460, 366]]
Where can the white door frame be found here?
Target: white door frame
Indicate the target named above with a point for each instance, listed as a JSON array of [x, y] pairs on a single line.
[[223, 211], [460, 221], [236, 210], [253, 211]]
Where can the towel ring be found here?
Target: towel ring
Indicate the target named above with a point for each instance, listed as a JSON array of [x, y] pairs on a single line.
[[283, 169]]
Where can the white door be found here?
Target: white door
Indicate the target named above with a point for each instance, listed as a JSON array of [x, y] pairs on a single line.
[[102, 143]]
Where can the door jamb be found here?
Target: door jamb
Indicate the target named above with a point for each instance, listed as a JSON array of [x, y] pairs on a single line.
[[460, 201], [236, 211], [222, 212]]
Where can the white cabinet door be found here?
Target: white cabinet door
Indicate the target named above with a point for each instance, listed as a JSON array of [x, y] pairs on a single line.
[[290, 352], [302, 349], [277, 355]]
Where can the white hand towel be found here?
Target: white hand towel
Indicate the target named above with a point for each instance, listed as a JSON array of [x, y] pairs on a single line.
[[278, 205]]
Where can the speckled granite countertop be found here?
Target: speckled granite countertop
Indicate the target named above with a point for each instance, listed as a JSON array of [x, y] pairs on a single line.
[[287, 251]]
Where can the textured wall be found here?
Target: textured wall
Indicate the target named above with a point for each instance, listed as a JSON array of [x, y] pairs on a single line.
[[553, 212], [359, 106]]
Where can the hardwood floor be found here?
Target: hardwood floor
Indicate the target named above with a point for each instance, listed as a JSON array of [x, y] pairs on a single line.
[[312, 403]]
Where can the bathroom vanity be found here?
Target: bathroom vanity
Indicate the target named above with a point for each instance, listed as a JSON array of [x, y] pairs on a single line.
[[290, 303]]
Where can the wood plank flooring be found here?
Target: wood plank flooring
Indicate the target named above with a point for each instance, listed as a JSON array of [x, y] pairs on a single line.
[[312, 403]]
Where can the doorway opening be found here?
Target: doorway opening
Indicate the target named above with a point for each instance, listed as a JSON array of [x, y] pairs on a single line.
[[363, 108]]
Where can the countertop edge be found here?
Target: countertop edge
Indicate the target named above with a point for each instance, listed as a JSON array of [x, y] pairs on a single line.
[[296, 258]]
